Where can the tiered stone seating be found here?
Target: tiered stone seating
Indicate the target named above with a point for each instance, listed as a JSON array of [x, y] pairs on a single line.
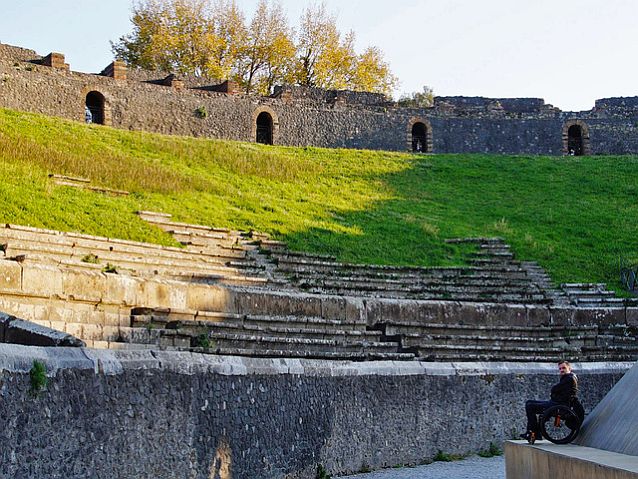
[[492, 276], [456, 342], [228, 292], [594, 295], [253, 335], [97, 253]]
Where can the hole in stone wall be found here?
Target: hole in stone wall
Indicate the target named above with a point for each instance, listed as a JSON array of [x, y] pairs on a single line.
[[419, 137], [95, 104], [575, 140], [264, 128]]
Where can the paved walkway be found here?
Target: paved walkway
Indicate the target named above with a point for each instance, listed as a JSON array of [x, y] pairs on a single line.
[[474, 467]]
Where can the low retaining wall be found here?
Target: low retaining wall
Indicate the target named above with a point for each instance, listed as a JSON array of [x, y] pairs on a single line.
[[152, 414], [523, 461]]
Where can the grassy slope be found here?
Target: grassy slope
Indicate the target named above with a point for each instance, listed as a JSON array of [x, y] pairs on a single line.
[[574, 215]]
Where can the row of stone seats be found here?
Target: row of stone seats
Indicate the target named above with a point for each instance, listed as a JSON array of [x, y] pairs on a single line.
[[457, 342], [257, 335], [594, 295], [96, 253], [493, 275]]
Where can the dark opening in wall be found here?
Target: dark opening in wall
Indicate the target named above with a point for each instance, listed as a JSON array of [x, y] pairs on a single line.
[[575, 140], [95, 104], [264, 128], [419, 138]]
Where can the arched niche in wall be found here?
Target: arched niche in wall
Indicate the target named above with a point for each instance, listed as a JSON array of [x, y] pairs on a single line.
[[265, 126], [576, 138], [419, 135], [98, 105]]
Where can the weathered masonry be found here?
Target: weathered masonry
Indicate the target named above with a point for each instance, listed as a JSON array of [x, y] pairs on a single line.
[[296, 116]]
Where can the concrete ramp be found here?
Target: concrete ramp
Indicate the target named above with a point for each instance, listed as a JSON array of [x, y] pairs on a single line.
[[613, 424]]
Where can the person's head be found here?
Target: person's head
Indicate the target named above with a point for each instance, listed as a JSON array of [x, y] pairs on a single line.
[[564, 368]]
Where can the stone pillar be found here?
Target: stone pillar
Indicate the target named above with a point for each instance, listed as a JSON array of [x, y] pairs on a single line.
[[116, 70], [55, 60]]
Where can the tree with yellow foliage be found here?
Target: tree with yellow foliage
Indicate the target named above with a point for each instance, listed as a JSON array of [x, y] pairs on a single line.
[[211, 38]]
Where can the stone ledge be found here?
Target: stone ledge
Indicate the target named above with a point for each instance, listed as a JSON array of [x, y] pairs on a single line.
[[17, 358], [17, 331], [523, 461]]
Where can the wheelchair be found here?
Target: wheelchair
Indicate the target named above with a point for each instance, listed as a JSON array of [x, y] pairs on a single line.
[[560, 424]]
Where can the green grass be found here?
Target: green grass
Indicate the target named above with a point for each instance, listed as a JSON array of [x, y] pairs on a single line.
[[575, 215]]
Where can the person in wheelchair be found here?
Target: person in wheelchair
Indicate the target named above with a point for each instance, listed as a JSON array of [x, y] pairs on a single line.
[[563, 393]]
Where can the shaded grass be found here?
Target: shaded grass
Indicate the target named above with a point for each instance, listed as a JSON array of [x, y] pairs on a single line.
[[574, 215]]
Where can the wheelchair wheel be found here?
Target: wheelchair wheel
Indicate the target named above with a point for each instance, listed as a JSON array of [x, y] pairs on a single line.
[[560, 424]]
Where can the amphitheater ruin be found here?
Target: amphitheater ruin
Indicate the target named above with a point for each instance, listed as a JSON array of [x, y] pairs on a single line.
[[233, 356]]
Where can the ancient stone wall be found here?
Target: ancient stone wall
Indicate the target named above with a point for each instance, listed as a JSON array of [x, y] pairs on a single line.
[[303, 117], [173, 415]]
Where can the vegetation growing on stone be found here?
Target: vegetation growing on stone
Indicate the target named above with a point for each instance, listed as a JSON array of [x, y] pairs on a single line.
[[38, 376], [574, 215]]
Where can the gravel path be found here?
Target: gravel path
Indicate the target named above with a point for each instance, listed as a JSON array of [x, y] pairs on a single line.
[[474, 467]]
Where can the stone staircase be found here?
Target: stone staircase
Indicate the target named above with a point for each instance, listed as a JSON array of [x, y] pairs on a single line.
[[594, 295], [491, 276], [259, 335], [457, 342], [40, 246]]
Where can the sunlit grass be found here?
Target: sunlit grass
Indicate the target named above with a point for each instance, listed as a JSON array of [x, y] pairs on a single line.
[[574, 215]]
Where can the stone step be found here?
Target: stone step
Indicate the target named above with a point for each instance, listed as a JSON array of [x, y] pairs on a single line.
[[491, 353], [265, 342], [493, 341], [326, 355], [108, 249], [77, 240], [195, 328], [140, 317], [424, 329], [131, 262], [456, 294], [469, 284]]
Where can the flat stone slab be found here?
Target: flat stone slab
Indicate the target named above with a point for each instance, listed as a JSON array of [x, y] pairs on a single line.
[[523, 461]]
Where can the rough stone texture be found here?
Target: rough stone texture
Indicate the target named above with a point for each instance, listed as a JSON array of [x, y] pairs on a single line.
[[176, 415], [17, 331], [314, 117]]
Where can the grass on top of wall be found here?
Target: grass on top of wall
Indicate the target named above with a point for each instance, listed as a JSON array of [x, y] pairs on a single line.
[[575, 215]]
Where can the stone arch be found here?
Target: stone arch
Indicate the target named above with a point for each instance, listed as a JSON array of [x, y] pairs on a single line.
[[576, 138], [419, 135], [265, 126], [98, 105]]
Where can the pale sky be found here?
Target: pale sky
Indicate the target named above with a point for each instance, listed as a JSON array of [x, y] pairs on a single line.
[[569, 52]]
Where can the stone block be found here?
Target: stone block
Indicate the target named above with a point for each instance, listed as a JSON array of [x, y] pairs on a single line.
[[31, 334], [379, 311], [333, 307], [599, 316], [538, 316], [44, 280], [85, 285], [561, 315], [120, 289], [10, 276], [209, 298], [631, 317], [355, 310], [437, 312]]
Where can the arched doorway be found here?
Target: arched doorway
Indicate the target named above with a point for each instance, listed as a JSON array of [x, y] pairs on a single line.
[[575, 140], [95, 104], [419, 138], [264, 128], [419, 135]]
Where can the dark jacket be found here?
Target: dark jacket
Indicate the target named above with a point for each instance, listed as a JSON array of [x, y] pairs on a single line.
[[566, 389]]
